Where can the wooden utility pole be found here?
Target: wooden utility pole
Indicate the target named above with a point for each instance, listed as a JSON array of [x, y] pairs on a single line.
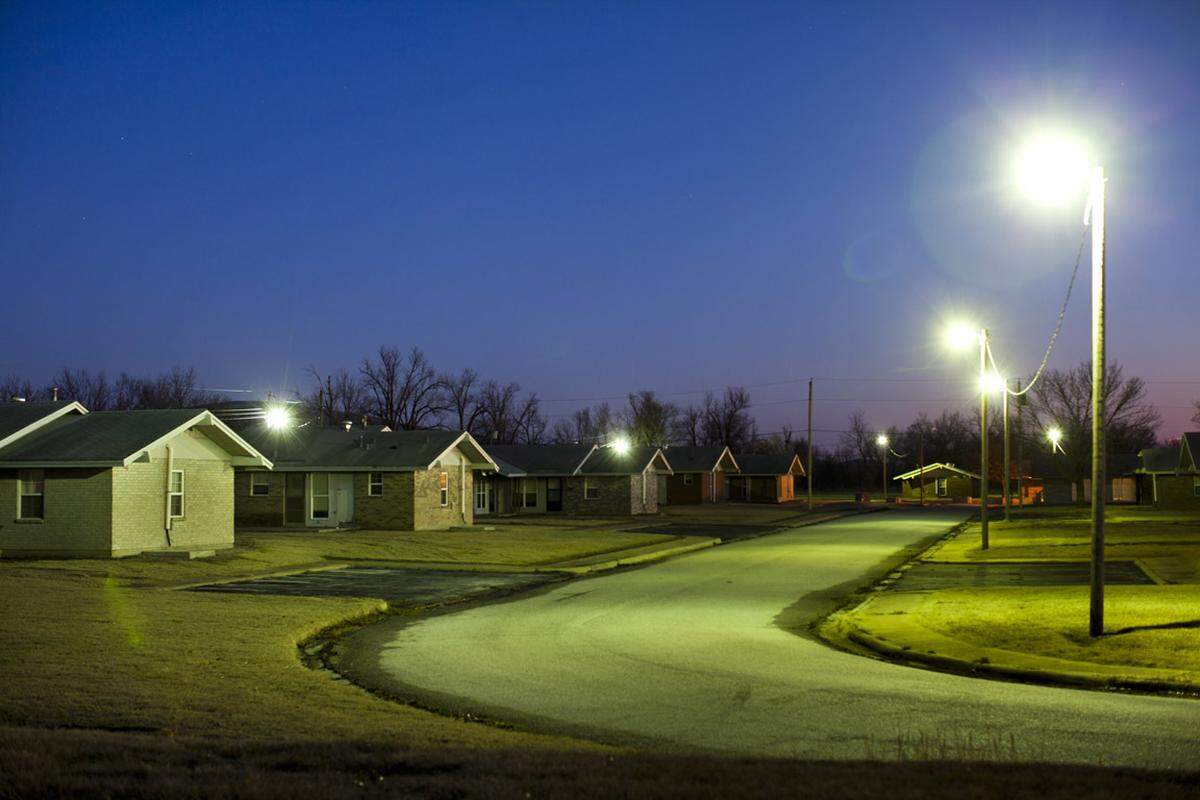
[[1099, 487], [983, 441], [921, 463], [1007, 463], [809, 465], [1020, 434]]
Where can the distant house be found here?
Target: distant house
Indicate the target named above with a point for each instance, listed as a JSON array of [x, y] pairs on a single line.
[[368, 477], [529, 479], [941, 481], [116, 483], [1170, 476], [765, 478], [614, 483], [698, 474]]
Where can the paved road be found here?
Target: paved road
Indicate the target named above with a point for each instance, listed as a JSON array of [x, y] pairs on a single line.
[[688, 654]]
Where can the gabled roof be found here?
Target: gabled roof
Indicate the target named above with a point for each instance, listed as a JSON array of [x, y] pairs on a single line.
[[1158, 459], [518, 460], [313, 448], [608, 461], [1189, 452], [770, 463], [21, 419], [701, 458], [118, 438], [936, 470]]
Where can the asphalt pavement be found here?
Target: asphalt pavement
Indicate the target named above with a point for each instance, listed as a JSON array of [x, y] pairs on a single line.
[[693, 654]]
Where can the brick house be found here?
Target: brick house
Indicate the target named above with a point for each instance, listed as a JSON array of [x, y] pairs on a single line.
[[615, 483], [941, 481], [368, 478], [766, 477], [1169, 477], [698, 474], [529, 479], [116, 483]]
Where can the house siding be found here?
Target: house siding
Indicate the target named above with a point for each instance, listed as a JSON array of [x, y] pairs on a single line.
[[957, 486], [261, 510], [393, 511], [615, 492], [139, 506], [428, 512], [680, 492], [1175, 491], [644, 502], [77, 509]]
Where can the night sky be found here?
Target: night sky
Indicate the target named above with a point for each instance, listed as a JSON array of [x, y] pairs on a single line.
[[593, 198]]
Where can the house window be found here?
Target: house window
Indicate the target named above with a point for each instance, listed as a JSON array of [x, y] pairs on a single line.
[[941, 487], [175, 493], [529, 493], [320, 495], [590, 490], [375, 484], [444, 488], [33, 490], [687, 480], [1196, 487], [260, 484]]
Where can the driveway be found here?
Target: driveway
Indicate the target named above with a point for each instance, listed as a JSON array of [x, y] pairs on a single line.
[[690, 654]]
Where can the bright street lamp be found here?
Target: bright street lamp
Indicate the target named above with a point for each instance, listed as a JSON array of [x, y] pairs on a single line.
[[882, 441], [278, 418], [992, 383], [621, 445], [1053, 170], [959, 337], [1054, 435]]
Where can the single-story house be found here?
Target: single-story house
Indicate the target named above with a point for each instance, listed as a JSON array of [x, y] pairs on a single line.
[[529, 479], [942, 481], [765, 477], [367, 477], [1169, 477], [616, 483], [698, 474], [116, 483]]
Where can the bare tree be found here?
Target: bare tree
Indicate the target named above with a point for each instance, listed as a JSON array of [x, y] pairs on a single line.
[[462, 399], [593, 423], [15, 386], [650, 420], [563, 432], [177, 388], [382, 379], [87, 387], [1196, 416], [420, 401], [727, 421], [335, 397], [531, 425], [689, 426]]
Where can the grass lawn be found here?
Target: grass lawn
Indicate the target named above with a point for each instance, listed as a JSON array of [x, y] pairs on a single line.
[[104, 644], [1168, 542], [1150, 626]]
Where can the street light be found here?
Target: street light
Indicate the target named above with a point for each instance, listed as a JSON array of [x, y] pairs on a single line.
[[959, 337], [882, 441], [1054, 435], [278, 418], [621, 445], [1052, 170]]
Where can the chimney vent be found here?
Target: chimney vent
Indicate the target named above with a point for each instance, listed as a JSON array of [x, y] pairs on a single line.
[[54, 395]]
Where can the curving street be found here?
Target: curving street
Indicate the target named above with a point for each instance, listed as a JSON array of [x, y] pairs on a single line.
[[689, 654]]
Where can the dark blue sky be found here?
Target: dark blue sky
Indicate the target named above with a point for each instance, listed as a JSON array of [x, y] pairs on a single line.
[[591, 200]]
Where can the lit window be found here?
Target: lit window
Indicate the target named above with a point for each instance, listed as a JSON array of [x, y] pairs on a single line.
[[529, 493], [375, 484], [942, 489], [590, 490], [320, 495], [444, 487], [175, 493], [260, 484], [33, 491], [687, 480]]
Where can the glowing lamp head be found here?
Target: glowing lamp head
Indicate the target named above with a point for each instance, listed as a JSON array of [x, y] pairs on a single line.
[[277, 418], [991, 383], [1052, 169], [881, 440], [1054, 435], [621, 446], [960, 336]]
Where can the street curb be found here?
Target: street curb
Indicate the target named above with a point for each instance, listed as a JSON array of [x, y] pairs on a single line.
[[1086, 679], [641, 558], [283, 573]]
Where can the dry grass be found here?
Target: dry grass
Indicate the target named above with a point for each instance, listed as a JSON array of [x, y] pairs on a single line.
[[87, 764], [1168, 541], [1150, 626]]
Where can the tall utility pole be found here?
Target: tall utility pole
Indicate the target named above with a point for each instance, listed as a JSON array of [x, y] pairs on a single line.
[[885, 451], [983, 440], [1007, 465], [1096, 617], [921, 462], [1020, 435], [809, 465]]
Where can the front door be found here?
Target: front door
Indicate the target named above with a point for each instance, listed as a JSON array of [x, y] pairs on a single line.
[[483, 495], [554, 494], [293, 504]]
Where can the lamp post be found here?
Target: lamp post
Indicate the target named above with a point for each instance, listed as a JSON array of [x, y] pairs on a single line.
[[1051, 171], [983, 441], [882, 441]]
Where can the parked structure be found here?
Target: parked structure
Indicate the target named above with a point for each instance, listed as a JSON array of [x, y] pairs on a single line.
[[116, 483], [1169, 477], [698, 474], [765, 478], [941, 481], [366, 477]]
